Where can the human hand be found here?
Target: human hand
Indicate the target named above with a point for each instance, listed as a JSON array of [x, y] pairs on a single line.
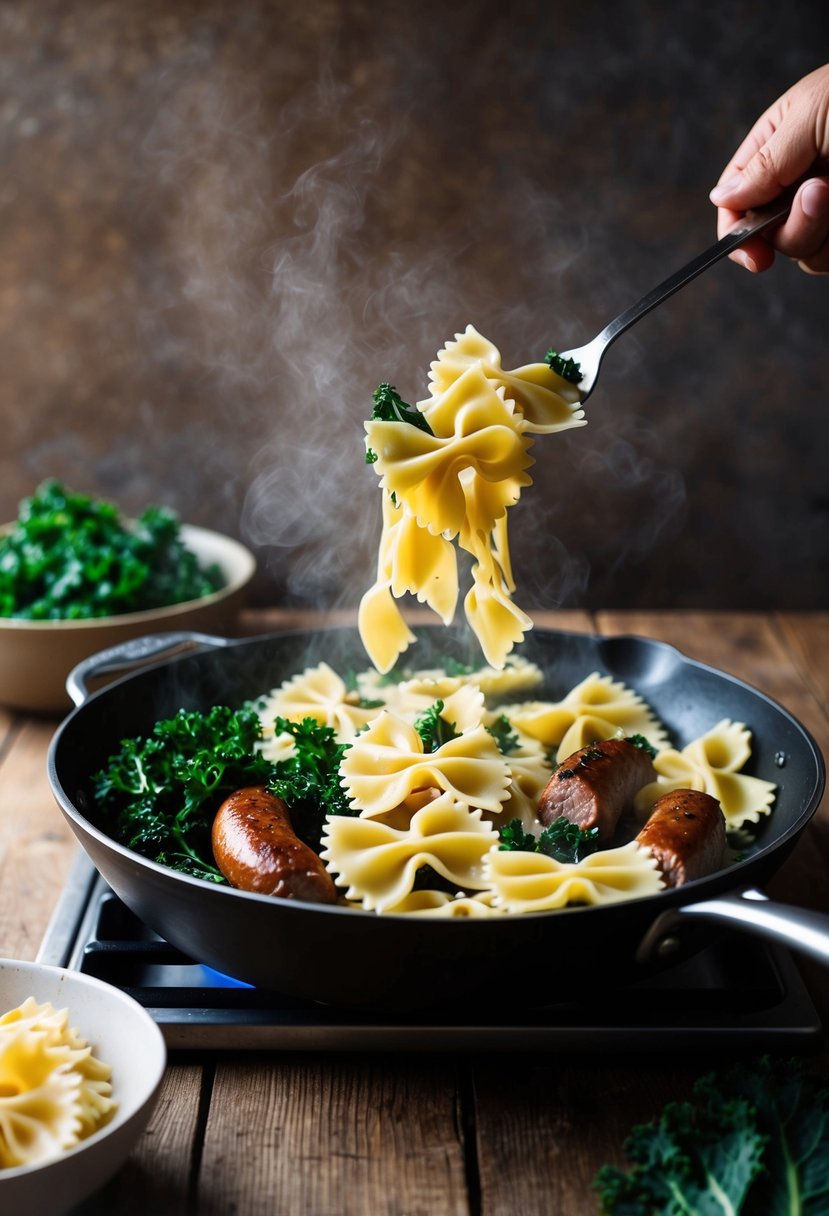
[[788, 143]]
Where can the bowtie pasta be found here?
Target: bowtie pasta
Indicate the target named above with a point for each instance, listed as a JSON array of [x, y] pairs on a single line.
[[712, 764], [423, 832], [379, 862], [53, 1091], [597, 708], [531, 882], [454, 481], [318, 693]]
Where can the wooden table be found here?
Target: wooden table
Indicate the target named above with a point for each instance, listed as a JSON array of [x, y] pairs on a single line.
[[410, 1134]]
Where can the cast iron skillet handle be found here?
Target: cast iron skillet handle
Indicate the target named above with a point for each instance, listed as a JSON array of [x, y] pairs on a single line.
[[131, 653], [751, 910]]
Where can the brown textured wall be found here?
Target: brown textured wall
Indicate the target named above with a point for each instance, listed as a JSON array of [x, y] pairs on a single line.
[[223, 224]]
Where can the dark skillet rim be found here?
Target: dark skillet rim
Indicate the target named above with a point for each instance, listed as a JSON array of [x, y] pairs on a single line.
[[725, 880]]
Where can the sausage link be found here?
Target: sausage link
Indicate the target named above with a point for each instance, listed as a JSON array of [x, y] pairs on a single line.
[[594, 785], [256, 849], [685, 832]]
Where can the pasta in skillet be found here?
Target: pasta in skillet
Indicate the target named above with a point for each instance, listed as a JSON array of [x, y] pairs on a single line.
[[442, 808], [597, 708], [419, 689], [378, 861], [532, 882], [439, 904], [387, 763], [712, 763], [318, 693], [454, 481]]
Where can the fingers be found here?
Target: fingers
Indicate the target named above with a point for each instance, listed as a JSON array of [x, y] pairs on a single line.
[[755, 255], [790, 140], [804, 237]]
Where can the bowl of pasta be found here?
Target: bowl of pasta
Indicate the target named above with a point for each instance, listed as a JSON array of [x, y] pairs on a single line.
[[423, 877], [77, 577], [81, 1065]]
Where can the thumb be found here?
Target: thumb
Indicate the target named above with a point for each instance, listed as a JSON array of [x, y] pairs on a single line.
[[775, 165], [779, 150]]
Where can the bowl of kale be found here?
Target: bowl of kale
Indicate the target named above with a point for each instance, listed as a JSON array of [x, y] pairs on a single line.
[[76, 577]]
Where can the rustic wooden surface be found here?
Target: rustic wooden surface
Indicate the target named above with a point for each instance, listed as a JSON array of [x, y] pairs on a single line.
[[420, 1134]]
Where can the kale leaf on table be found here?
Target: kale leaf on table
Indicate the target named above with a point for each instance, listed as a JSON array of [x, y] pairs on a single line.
[[753, 1141], [159, 795]]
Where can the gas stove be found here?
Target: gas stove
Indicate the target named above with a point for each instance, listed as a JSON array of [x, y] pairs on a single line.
[[739, 994]]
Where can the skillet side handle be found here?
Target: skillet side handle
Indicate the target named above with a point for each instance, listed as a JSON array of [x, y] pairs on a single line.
[[132, 653], [751, 910]]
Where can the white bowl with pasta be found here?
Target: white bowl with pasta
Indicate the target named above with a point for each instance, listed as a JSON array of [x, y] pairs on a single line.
[[122, 1036]]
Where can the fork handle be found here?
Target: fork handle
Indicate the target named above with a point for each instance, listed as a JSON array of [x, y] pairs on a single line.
[[752, 223]]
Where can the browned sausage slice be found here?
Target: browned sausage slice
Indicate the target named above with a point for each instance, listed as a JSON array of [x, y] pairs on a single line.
[[594, 785], [257, 849], [686, 834]]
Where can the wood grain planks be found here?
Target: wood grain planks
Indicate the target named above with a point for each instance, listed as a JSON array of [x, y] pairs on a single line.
[[334, 1136], [159, 1176], [35, 843]]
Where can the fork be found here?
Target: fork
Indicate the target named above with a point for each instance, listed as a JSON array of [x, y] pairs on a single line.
[[587, 359]]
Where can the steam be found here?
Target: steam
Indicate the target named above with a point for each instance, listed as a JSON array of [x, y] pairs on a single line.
[[310, 280]]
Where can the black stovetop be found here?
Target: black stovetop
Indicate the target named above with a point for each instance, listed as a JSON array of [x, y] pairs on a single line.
[[738, 994]]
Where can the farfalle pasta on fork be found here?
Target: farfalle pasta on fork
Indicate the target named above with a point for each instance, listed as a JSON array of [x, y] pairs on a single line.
[[449, 470]]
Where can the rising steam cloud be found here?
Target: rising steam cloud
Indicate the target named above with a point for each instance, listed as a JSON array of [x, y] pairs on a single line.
[[316, 269]]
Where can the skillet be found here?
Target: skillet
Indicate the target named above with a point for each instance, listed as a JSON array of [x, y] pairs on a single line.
[[413, 963]]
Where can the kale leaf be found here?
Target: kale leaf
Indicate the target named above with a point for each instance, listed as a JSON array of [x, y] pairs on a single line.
[[754, 1140], [160, 794], [308, 781], [72, 557], [568, 369], [643, 744], [502, 732], [389, 406], [562, 840], [434, 730]]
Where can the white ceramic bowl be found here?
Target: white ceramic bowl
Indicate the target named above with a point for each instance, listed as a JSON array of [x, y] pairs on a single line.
[[121, 1034], [37, 656]]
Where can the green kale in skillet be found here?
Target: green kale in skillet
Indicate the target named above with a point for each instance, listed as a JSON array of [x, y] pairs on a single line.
[[159, 795], [562, 840]]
